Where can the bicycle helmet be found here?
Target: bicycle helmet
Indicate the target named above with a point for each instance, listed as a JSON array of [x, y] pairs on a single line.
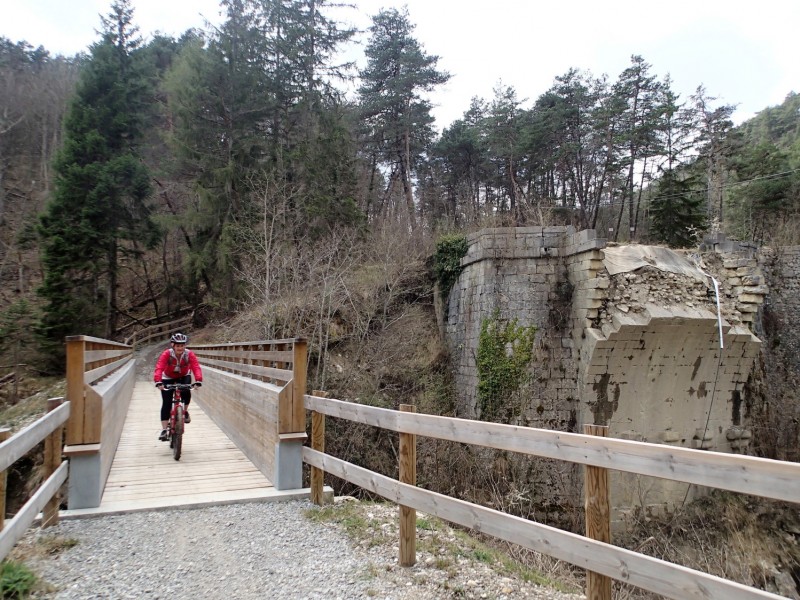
[[178, 338]]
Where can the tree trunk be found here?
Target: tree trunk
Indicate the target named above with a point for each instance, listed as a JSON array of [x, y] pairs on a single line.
[[405, 175]]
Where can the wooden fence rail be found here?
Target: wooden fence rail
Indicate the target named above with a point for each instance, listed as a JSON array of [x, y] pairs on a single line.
[[751, 475], [100, 377], [49, 428], [159, 331]]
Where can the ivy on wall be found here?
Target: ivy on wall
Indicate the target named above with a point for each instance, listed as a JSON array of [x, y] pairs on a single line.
[[450, 249], [504, 352]]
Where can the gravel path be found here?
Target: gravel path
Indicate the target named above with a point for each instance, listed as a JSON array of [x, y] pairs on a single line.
[[256, 551]]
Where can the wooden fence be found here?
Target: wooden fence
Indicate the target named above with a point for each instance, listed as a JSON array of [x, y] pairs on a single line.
[[49, 428], [100, 378], [159, 331], [746, 474], [258, 390]]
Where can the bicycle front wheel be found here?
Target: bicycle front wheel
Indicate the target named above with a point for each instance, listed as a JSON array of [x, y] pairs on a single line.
[[177, 438]]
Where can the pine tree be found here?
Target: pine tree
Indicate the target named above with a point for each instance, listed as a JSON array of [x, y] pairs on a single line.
[[676, 212], [396, 115], [99, 204], [254, 109]]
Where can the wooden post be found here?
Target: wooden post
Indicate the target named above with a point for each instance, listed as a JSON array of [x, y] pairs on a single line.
[[317, 443], [299, 367], [408, 474], [4, 435], [53, 446], [75, 395], [598, 517]]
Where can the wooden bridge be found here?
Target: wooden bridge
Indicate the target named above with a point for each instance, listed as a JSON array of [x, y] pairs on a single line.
[[248, 442]]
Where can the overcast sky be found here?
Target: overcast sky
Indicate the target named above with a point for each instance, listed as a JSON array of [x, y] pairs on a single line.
[[743, 53]]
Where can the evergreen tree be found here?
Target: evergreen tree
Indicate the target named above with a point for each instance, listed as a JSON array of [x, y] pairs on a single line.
[[99, 205], [715, 146], [396, 115], [254, 109], [504, 132], [462, 154], [676, 211], [639, 91]]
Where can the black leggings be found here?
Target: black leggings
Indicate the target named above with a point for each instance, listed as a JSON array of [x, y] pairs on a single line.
[[166, 396]]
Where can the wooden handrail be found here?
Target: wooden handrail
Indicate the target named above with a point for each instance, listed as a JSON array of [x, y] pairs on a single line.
[[89, 360], [774, 479], [159, 330], [49, 429], [21, 442], [746, 474]]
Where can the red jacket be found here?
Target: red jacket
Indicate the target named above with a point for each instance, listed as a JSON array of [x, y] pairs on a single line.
[[169, 367]]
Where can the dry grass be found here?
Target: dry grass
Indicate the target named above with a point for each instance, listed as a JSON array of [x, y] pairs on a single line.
[[749, 540]]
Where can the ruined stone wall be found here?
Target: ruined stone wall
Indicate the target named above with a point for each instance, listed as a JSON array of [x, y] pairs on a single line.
[[520, 273], [637, 351]]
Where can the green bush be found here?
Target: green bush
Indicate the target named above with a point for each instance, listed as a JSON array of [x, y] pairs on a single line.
[[16, 581], [450, 249], [504, 352]]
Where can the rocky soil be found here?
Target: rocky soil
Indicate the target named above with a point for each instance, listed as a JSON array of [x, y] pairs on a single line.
[[273, 550]]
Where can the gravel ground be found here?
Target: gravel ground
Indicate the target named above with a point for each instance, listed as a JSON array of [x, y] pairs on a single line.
[[253, 551]]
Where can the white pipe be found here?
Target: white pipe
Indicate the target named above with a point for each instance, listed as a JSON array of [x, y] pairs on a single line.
[[719, 313]]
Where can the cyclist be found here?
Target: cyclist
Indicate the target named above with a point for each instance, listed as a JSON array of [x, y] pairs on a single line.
[[175, 365]]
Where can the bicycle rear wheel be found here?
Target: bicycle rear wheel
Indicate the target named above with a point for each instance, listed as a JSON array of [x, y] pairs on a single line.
[[177, 438]]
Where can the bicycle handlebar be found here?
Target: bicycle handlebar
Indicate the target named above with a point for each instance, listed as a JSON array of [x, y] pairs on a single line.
[[179, 386]]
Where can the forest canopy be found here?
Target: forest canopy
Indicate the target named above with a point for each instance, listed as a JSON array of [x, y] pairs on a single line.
[[144, 178]]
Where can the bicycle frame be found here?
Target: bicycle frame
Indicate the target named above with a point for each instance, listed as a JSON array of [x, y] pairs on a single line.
[[176, 417]]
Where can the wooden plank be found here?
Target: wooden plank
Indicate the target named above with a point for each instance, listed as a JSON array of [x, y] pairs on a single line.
[[27, 514], [285, 410], [100, 372], [75, 386], [91, 356], [246, 410], [598, 518], [238, 344], [92, 417], [745, 474], [21, 443], [269, 372], [144, 473], [299, 367], [53, 445], [117, 392], [408, 475], [661, 577], [267, 355], [94, 340], [318, 444], [80, 449]]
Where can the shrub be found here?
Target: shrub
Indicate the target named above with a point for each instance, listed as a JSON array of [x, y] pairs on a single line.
[[504, 352], [450, 249]]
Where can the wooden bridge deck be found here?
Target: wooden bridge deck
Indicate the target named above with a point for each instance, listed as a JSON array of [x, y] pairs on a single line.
[[145, 476]]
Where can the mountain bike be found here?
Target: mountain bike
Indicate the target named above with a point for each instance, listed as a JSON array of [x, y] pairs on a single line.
[[177, 417]]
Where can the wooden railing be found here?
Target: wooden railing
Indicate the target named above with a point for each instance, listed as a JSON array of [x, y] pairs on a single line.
[[159, 331], [258, 390], [100, 378], [49, 428], [750, 475]]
